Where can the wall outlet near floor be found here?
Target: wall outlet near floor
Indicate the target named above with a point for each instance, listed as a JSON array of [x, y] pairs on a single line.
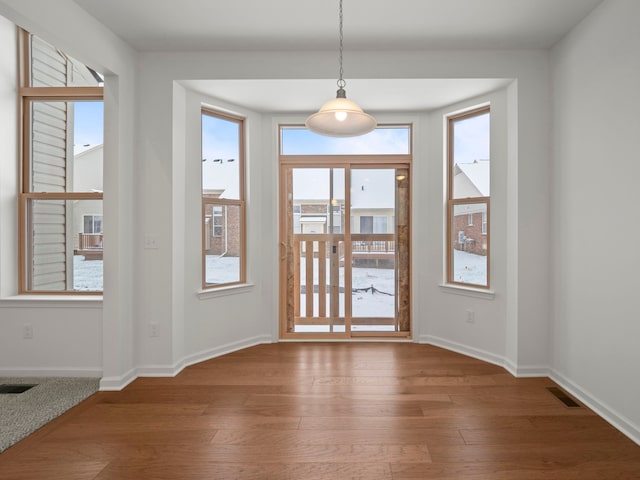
[[471, 316], [154, 329], [27, 331]]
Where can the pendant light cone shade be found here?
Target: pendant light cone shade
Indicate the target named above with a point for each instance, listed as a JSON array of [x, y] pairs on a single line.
[[341, 117]]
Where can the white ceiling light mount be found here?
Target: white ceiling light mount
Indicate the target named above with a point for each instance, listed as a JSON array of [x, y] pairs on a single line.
[[341, 117]]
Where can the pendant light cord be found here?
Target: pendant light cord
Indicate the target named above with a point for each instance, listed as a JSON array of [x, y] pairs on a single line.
[[341, 82]]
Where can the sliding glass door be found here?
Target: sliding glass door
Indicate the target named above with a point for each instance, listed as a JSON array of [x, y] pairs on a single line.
[[344, 239]]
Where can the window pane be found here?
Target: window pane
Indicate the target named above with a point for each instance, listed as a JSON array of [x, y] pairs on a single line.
[[223, 224], [471, 162], [220, 157], [88, 224], [318, 200], [469, 244], [61, 256], [379, 224], [381, 141], [97, 224], [366, 224], [373, 199], [66, 146], [374, 280]]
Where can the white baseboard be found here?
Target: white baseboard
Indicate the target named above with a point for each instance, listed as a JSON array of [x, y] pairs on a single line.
[[527, 371], [221, 350], [463, 349], [618, 421], [115, 384], [506, 363], [118, 383], [156, 371], [51, 372]]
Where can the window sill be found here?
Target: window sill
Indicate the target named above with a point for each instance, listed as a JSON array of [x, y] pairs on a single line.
[[52, 301], [224, 291], [467, 291]]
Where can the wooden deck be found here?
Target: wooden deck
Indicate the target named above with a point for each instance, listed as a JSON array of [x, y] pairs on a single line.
[[90, 246], [328, 411]]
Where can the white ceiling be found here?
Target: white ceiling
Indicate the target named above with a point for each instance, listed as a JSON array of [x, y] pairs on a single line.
[[183, 25], [381, 95], [372, 25]]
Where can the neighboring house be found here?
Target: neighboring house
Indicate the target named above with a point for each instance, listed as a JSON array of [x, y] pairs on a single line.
[[222, 222], [314, 216], [372, 210], [471, 180], [87, 214], [54, 240], [373, 201]]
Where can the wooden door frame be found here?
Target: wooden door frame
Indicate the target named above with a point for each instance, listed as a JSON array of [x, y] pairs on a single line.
[[286, 270]]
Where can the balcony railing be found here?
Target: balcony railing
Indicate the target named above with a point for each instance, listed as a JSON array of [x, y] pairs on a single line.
[[90, 246]]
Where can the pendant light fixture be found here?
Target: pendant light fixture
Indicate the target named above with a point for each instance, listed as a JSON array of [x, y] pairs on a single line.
[[341, 117]]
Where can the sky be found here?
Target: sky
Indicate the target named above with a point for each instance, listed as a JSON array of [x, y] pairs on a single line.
[[88, 127], [471, 139], [300, 141], [220, 155], [220, 140]]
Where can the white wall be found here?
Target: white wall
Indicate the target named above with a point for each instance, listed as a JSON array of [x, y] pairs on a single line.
[[596, 78], [8, 156], [80, 335], [215, 323], [444, 312], [151, 193], [191, 326], [440, 314]]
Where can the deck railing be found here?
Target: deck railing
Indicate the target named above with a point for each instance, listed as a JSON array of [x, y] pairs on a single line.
[[373, 246], [90, 241]]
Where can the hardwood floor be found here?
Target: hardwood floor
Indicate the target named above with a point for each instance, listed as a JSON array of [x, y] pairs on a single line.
[[323, 411]]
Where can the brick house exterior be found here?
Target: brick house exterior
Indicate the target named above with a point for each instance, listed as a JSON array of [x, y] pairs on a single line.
[[468, 233], [222, 228], [470, 222]]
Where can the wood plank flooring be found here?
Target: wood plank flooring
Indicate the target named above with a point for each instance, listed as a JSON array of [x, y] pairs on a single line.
[[328, 411]]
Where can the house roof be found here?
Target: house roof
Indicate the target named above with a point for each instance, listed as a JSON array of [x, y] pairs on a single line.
[[80, 150], [477, 173], [221, 175]]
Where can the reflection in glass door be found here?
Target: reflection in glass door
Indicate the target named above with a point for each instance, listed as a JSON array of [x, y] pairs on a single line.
[[345, 251]]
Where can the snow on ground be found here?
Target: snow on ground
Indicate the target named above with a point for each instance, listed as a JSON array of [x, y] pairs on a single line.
[[222, 269], [87, 274], [363, 304], [469, 268]]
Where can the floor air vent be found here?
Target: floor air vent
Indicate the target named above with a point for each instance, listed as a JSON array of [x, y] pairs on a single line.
[[564, 398], [15, 388]]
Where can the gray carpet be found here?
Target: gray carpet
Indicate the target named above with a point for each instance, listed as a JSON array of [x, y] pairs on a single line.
[[22, 414]]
